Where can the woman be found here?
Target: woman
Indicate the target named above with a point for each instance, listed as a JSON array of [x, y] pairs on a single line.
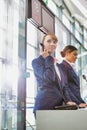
[[70, 54], [49, 81]]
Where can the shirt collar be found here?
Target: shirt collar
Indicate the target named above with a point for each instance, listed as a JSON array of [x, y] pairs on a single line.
[[71, 64]]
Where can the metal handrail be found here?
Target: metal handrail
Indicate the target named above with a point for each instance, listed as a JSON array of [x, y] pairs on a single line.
[[30, 125]]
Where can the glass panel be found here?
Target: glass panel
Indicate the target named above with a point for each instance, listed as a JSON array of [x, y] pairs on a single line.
[[81, 65], [63, 38], [53, 7], [78, 31], [85, 32], [31, 34], [33, 50], [85, 44], [8, 96], [77, 35], [83, 57], [30, 56], [75, 43], [31, 85], [66, 22], [30, 98], [9, 73]]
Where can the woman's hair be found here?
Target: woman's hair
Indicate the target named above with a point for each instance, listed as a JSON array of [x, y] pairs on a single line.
[[52, 36], [68, 48]]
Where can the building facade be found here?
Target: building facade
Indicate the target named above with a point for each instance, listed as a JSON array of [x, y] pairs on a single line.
[[20, 35]]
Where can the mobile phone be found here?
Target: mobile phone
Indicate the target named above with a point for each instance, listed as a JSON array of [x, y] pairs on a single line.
[[42, 46]]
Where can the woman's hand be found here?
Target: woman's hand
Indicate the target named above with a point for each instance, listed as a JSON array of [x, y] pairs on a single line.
[[45, 53], [82, 105], [71, 103]]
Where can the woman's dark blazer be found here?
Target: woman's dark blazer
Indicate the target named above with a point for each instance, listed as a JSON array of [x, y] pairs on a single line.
[[48, 95], [72, 82]]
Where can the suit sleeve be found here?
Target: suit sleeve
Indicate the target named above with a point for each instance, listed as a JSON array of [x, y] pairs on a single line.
[[78, 96], [69, 95], [44, 69]]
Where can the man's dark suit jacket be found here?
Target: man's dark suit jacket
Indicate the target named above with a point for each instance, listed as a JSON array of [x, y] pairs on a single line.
[[72, 81], [48, 95]]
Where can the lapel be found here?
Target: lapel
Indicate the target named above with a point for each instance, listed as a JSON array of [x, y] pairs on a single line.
[[59, 81], [69, 67]]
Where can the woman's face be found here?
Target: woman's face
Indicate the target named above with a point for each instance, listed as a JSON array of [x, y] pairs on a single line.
[[72, 56], [49, 44]]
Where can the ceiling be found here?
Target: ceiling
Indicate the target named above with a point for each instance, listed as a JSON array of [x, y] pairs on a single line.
[[78, 9]]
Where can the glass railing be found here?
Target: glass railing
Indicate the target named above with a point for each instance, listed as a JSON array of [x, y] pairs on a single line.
[[30, 119], [8, 113]]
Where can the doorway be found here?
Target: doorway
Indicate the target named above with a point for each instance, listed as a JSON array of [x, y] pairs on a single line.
[[34, 37]]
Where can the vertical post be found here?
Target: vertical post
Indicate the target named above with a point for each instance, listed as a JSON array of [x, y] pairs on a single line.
[[21, 104]]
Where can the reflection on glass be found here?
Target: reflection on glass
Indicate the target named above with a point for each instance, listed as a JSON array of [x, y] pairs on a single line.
[[9, 18], [30, 81], [30, 56], [31, 34]]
